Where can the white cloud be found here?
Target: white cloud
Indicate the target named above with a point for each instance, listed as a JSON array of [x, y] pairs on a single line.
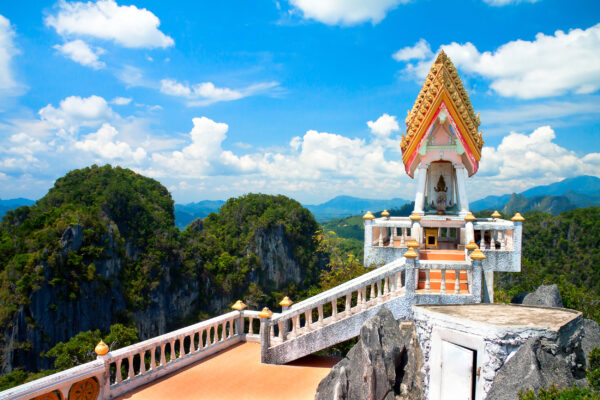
[[79, 51], [522, 161], [75, 111], [419, 51], [207, 93], [500, 3], [346, 12], [127, 26], [102, 144], [384, 126], [121, 101], [7, 51], [550, 65]]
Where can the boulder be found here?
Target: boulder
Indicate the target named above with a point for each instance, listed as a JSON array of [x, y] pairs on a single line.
[[534, 366], [72, 238], [385, 364], [590, 338], [545, 295]]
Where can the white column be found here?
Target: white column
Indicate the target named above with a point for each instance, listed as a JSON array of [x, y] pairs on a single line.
[[421, 175], [461, 177]]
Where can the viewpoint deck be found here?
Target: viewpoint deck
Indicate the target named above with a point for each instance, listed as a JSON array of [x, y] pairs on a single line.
[[237, 373]]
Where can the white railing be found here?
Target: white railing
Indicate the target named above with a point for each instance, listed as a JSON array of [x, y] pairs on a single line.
[[127, 368], [391, 232], [495, 234], [455, 272], [354, 296]]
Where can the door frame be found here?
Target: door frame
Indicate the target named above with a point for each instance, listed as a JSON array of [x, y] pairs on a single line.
[[469, 341]]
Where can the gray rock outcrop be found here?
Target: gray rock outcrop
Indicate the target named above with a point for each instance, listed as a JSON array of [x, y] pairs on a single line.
[[537, 364], [385, 364], [545, 295], [590, 338]]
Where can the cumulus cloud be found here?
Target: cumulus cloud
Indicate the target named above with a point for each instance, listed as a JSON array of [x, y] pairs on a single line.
[[102, 143], [207, 93], [7, 51], [121, 101], [419, 51], [346, 12], [550, 65], [74, 112], [127, 26], [79, 51], [525, 160], [384, 126]]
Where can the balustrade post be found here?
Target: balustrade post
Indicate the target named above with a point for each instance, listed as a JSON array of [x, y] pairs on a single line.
[[392, 235], [457, 281], [181, 347], [427, 281], [363, 298], [251, 328], [131, 374], [372, 294], [118, 375], [402, 239], [381, 228], [308, 319], [172, 350], [386, 286], [443, 282], [320, 310], [348, 309], [101, 351], [163, 359], [152, 359], [295, 324], [503, 241], [398, 282], [142, 363], [334, 309], [482, 247], [265, 334]]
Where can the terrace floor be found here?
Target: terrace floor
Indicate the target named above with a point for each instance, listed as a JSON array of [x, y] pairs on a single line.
[[237, 373]]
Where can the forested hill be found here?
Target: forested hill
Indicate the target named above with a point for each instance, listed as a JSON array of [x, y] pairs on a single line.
[[102, 248]]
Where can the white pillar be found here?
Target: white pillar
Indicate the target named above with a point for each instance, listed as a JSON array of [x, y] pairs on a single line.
[[421, 175], [463, 201]]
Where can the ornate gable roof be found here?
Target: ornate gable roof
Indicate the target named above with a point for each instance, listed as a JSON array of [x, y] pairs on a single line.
[[442, 85]]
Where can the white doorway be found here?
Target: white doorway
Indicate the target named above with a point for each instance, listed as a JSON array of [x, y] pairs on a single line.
[[457, 372]]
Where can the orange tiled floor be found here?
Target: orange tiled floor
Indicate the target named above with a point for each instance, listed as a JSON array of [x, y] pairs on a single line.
[[236, 373]]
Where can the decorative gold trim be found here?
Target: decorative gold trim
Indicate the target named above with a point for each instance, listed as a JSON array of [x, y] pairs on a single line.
[[239, 305], [86, 389], [411, 253], [265, 313], [368, 215], [470, 217], [517, 218], [286, 302], [415, 217], [477, 255], [385, 213], [471, 245], [442, 83], [101, 348], [496, 214]]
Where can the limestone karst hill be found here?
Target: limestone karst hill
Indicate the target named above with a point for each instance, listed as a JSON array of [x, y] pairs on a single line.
[[101, 247]]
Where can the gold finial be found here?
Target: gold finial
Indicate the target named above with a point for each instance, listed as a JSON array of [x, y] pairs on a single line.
[[286, 302], [415, 217], [517, 218], [412, 243], [101, 348], [265, 313], [385, 213], [496, 214], [477, 255], [470, 217], [368, 216], [411, 253], [472, 245], [238, 305]]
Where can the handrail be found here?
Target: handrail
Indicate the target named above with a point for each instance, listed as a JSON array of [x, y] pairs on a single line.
[[341, 290]]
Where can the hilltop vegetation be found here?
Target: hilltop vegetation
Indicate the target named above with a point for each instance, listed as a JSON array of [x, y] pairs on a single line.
[[102, 248]]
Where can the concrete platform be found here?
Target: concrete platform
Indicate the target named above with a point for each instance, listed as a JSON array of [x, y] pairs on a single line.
[[508, 314], [236, 373]]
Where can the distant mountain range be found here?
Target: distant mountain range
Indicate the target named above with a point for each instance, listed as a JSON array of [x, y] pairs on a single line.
[[342, 206], [578, 192], [6, 205]]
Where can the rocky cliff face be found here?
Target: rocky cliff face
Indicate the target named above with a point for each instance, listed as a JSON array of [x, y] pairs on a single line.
[[385, 364], [123, 261]]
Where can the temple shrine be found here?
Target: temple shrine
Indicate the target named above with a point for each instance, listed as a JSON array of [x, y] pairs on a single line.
[[434, 269]]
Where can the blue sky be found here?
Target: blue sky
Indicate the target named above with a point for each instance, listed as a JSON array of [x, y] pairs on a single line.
[[301, 97]]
